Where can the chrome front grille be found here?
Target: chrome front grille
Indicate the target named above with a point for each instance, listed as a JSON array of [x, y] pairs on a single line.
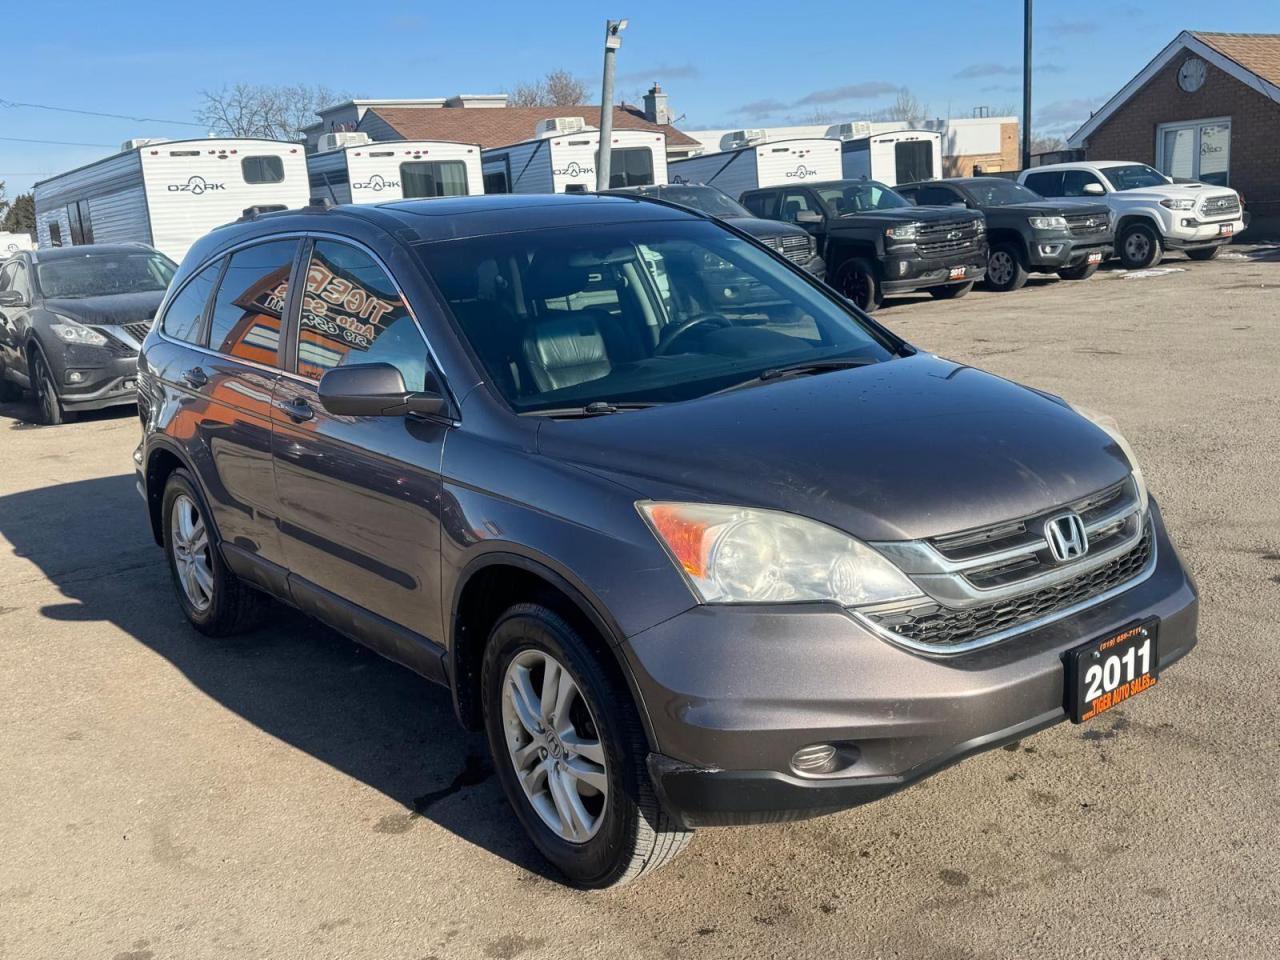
[[794, 248], [1222, 205], [988, 583], [950, 236], [1088, 224]]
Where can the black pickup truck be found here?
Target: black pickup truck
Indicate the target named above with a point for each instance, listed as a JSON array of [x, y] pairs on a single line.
[[1026, 232], [875, 243]]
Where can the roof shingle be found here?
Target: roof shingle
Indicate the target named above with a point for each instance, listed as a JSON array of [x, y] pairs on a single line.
[[1259, 53], [499, 126]]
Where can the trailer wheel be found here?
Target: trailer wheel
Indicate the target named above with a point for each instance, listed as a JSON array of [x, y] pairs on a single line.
[[856, 280]]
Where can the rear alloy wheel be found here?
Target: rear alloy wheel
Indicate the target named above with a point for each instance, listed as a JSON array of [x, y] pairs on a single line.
[[1204, 253], [1139, 247], [856, 281], [1005, 271], [952, 291], [51, 412], [1082, 271]]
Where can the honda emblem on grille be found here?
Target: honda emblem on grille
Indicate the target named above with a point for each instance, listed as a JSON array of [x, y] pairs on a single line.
[[1066, 536]]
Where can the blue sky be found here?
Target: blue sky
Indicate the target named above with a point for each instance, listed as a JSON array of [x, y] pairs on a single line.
[[743, 63]]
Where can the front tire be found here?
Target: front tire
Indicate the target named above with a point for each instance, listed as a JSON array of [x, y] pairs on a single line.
[[1081, 271], [856, 280], [1139, 247], [952, 291], [570, 752], [1005, 269], [215, 600], [1205, 253], [51, 412]]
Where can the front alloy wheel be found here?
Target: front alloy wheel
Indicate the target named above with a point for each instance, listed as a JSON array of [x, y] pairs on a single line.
[[554, 746]]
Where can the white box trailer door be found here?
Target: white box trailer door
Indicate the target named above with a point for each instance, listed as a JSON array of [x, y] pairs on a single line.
[[407, 169], [195, 185]]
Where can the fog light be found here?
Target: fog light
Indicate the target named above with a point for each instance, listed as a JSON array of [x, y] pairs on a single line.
[[815, 758], [903, 266], [1049, 249], [75, 376]]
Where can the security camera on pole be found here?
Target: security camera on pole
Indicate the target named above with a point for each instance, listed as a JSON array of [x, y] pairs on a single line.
[[612, 41]]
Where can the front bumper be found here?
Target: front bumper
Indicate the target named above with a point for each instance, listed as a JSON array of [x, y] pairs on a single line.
[[1189, 233], [1050, 253], [905, 270], [91, 378], [732, 692]]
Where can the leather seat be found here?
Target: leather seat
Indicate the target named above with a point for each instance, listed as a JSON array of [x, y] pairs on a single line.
[[566, 351]]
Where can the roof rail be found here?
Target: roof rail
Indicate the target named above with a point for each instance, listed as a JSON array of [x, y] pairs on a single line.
[[321, 203], [252, 213]]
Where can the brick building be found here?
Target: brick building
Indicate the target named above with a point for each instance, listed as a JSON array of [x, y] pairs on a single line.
[[1206, 108]]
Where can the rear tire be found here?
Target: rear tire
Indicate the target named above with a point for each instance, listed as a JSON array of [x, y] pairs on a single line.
[[1082, 271], [51, 412], [215, 600], [626, 832], [856, 280], [952, 291], [1005, 270], [1139, 247], [1205, 253]]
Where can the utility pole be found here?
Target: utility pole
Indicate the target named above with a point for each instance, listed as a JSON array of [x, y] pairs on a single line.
[[1026, 85], [612, 41]]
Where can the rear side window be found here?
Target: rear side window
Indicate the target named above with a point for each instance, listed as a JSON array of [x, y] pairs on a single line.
[[1045, 184], [262, 169], [352, 313], [183, 319], [761, 204], [246, 314]]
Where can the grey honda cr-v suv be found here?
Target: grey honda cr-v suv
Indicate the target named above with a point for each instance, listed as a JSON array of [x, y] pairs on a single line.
[[692, 539]]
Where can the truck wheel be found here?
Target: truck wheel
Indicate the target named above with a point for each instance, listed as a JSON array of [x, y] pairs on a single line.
[[1139, 247], [1005, 271], [570, 752], [856, 280], [952, 291], [1081, 271], [1204, 253]]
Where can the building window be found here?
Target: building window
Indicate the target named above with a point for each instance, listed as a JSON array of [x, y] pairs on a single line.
[[55, 234], [1195, 150], [433, 178], [630, 167], [262, 169]]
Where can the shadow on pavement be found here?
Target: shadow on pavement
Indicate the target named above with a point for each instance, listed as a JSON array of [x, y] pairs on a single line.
[[291, 677]]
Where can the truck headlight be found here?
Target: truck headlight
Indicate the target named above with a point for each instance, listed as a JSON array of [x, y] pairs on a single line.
[[906, 231], [744, 555], [1183, 204], [69, 331], [1048, 223], [1107, 424], [980, 226]]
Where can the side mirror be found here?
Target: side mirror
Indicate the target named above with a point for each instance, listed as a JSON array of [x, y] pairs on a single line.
[[958, 203], [809, 218], [12, 298], [375, 390], [1094, 190]]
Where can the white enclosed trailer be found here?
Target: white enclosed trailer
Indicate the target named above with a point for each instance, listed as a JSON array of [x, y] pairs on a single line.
[[11, 243], [762, 165], [372, 172], [566, 162], [902, 156], [168, 194]]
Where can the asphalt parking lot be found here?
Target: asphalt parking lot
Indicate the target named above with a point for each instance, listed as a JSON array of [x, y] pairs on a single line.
[[288, 794]]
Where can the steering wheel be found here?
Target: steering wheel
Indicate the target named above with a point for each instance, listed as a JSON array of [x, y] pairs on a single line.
[[674, 332]]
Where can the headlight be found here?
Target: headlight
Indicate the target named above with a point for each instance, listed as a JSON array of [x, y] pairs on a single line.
[[1112, 429], [905, 232], [744, 555], [1184, 204], [980, 226], [69, 331], [1048, 223]]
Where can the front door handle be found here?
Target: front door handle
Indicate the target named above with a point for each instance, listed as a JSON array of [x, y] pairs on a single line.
[[299, 410], [196, 377]]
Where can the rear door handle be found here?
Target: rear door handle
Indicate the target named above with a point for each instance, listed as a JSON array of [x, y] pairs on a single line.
[[196, 377], [298, 410]]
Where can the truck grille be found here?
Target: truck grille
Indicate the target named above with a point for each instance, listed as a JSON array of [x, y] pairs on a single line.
[[138, 331], [951, 236], [940, 627], [1089, 224], [1222, 205], [797, 249]]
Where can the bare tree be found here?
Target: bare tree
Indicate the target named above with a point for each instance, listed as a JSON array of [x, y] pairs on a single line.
[[1045, 143], [273, 112], [559, 88], [906, 107]]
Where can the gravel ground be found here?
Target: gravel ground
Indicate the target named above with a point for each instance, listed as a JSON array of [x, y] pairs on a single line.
[[287, 794]]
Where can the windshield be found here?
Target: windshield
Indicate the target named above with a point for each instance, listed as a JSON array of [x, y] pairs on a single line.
[[650, 312], [1000, 193], [859, 196], [706, 200], [1134, 176], [102, 274]]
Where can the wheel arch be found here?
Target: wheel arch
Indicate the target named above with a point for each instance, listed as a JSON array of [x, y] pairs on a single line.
[[1127, 220], [841, 249], [163, 458]]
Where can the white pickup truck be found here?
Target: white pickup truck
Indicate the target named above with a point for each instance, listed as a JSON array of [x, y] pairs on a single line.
[[1151, 213]]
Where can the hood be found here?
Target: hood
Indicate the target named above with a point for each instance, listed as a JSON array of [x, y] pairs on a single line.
[[1057, 207], [767, 228], [909, 448], [113, 309], [1175, 191], [909, 215]]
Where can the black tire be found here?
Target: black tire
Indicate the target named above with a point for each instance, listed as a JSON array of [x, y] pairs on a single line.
[[952, 291], [1081, 271], [51, 412], [856, 280], [1205, 253], [234, 606], [1138, 247], [636, 836], [1006, 270]]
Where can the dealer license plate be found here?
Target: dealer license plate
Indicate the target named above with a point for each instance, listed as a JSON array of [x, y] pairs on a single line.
[[1227, 229], [1095, 256], [1107, 672], [957, 273]]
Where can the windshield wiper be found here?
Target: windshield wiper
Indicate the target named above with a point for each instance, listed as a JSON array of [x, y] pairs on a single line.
[[804, 368], [594, 409]]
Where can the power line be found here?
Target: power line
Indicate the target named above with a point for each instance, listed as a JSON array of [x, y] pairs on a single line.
[[60, 143], [97, 113]]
